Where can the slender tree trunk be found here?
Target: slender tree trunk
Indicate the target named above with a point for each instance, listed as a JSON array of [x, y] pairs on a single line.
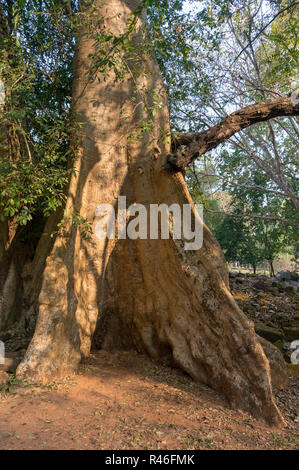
[[150, 295], [272, 272]]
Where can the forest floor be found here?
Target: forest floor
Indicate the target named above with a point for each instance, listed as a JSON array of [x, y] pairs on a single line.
[[126, 401], [123, 400]]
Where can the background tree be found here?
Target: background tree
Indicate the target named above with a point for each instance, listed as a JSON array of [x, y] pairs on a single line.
[[239, 242]]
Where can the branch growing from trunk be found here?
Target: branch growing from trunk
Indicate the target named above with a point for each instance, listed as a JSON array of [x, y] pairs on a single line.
[[197, 144]]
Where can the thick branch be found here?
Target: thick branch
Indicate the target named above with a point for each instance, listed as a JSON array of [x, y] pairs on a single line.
[[199, 143]]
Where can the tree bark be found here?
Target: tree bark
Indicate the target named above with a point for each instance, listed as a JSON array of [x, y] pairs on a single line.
[[198, 144], [150, 295]]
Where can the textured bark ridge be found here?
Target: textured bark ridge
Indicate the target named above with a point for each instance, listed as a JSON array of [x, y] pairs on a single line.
[[148, 294]]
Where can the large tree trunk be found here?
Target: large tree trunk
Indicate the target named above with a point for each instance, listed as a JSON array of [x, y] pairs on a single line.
[[148, 294]]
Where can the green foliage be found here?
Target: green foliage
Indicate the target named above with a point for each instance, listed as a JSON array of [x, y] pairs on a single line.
[[35, 65], [24, 187], [280, 53], [250, 242], [12, 384], [77, 221], [238, 242]]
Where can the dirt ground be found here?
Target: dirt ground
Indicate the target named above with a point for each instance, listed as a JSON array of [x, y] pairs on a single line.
[[127, 401]]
